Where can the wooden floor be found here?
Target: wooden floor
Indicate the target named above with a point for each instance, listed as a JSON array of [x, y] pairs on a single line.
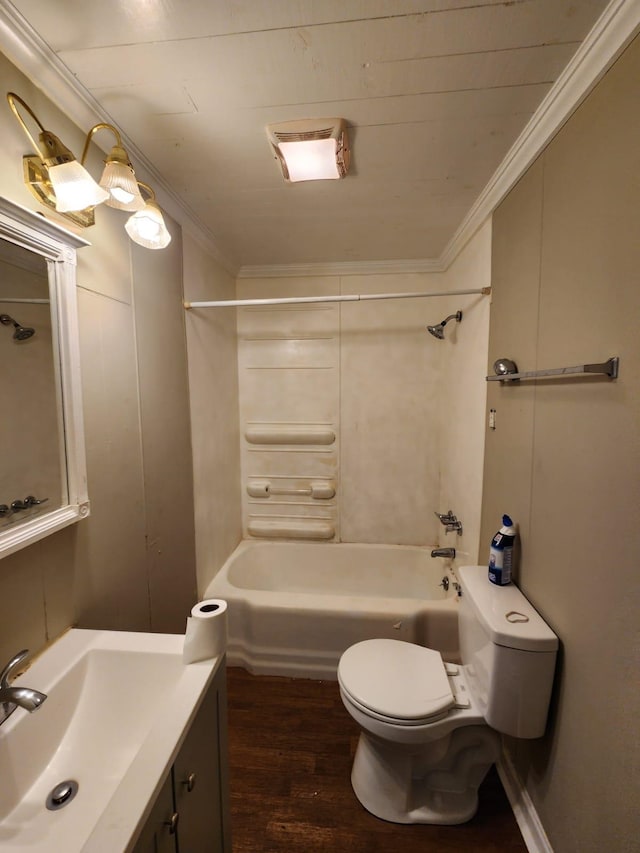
[[291, 747]]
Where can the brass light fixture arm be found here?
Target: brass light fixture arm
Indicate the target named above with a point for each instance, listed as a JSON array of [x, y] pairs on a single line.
[[51, 150], [103, 125], [12, 98], [147, 188]]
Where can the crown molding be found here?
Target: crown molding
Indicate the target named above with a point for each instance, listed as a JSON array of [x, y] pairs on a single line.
[[341, 268], [612, 32], [26, 49]]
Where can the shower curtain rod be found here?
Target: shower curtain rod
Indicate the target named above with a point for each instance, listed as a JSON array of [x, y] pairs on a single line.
[[355, 297]]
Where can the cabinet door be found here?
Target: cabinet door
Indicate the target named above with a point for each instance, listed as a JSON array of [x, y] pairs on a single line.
[[158, 835], [200, 777]]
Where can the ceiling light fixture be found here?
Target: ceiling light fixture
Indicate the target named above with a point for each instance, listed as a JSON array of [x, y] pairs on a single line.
[[146, 227], [311, 149]]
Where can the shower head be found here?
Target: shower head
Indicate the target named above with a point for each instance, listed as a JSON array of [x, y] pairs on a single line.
[[438, 331], [22, 333]]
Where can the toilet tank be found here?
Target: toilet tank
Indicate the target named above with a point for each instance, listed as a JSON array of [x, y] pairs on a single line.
[[508, 652]]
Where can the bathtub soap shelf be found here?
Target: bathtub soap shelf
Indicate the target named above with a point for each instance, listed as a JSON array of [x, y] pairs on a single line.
[[289, 435], [291, 530]]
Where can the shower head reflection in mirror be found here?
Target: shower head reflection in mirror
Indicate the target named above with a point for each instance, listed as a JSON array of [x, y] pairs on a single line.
[[21, 333]]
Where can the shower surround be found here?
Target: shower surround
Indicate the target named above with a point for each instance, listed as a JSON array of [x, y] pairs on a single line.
[[359, 398]]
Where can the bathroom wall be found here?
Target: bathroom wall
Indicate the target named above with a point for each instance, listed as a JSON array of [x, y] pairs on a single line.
[[565, 456], [213, 382], [407, 410], [463, 395], [131, 564]]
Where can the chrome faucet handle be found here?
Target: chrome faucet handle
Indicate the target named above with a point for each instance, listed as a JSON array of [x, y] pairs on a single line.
[[30, 500], [7, 672], [446, 518], [450, 522]]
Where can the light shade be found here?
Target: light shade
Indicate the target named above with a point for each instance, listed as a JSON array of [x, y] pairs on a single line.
[[118, 177], [119, 180], [146, 227], [74, 187], [311, 149], [312, 160]]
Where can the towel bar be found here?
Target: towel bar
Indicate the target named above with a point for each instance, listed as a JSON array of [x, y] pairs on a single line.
[[607, 368]]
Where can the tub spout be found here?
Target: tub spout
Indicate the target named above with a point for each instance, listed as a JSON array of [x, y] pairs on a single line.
[[449, 553]]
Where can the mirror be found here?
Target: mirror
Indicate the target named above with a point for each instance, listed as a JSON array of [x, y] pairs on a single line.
[[42, 460]]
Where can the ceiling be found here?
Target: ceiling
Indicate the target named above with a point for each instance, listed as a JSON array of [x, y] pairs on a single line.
[[434, 92]]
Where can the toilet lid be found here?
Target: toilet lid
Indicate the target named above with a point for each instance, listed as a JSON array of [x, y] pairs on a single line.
[[396, 679]]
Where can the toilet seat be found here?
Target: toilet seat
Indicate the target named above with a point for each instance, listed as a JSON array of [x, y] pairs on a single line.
[[396, 682]]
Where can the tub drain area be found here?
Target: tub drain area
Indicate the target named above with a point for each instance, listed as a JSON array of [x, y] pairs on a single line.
[[62, 794]]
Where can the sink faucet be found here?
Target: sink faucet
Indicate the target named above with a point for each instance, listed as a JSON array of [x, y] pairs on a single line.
[[444, 552], [11, 697]]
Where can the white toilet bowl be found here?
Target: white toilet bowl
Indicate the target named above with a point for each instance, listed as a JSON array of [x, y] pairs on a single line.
[[430, 730], [424, 763]]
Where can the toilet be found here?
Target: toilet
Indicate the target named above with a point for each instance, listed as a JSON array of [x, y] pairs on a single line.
[[430, 730]]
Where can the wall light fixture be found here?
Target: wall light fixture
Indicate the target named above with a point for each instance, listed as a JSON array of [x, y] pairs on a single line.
[[58, 180], [311, 149]]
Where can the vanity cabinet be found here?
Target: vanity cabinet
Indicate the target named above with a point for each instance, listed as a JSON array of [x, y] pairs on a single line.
[[191, 813], [157, 835]]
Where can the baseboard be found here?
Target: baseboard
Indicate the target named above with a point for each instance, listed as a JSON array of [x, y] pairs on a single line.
[[523, 809]]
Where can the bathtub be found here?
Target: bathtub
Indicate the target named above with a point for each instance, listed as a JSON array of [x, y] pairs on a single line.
[[293, 608]]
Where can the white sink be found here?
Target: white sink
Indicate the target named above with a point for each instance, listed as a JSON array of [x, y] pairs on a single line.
[[118, 705]]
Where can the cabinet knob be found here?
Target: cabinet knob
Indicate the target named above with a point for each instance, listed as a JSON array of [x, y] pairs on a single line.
[[172, 823], [190, 782]]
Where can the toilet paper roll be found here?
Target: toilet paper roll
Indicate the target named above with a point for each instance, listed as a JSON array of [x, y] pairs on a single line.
[[206, 633]]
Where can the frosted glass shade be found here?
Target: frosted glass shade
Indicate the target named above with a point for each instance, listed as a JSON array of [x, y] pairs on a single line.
[[120, 182], [146, 227], [311, 160], [74, 187]]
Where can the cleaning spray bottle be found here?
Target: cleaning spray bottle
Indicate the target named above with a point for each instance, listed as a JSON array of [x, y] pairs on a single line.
[[501, 553]]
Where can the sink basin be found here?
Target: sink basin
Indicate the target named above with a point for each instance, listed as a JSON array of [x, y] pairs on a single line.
[[118, 706]]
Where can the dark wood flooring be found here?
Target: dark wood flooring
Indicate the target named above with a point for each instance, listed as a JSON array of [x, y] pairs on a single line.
[[291, 745]]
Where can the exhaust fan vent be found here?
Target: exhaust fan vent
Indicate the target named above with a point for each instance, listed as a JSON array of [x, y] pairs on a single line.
[[303, 135], [311, 149]]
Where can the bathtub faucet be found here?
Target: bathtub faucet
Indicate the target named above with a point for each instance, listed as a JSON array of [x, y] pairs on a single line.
[[11, 697], [450, 553], [450, 522]]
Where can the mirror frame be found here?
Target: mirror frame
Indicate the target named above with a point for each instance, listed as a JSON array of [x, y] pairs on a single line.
[[58, 246]]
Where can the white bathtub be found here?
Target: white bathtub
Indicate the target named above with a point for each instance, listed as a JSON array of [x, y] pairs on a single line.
[[293, 608]]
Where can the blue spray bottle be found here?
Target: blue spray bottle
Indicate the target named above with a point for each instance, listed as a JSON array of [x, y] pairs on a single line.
[[501, 553]]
